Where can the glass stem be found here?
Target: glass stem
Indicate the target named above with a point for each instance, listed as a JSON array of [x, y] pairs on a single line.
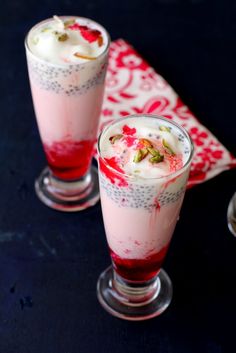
[[135, 293], [69, 187]]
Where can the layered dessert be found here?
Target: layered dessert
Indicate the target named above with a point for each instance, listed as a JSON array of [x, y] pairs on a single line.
[[67, 60], [144, 164]]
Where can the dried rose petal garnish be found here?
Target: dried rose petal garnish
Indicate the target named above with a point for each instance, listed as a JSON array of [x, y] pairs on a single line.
[[91, 35], [128, 131], [74, 26], [130, 141]]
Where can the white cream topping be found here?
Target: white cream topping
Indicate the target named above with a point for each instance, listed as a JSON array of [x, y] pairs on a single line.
[[164, 137], [66, 40]]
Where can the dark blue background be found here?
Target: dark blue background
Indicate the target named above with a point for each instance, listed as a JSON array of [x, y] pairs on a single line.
[[50, 261]]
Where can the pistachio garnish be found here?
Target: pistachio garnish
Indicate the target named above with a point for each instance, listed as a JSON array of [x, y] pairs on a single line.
[[140, 155], [46, 29], [114, 138], [167, 147], [63, 37], [145, 142], [87, 57], [153, 151], [164, 128], [157, 159], [69, 23], [144, 152]]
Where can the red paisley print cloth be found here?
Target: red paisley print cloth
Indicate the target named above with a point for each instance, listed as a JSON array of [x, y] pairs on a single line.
[[132, 87]]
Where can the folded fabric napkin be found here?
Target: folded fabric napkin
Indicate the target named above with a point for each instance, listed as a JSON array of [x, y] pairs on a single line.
[[132, 87]]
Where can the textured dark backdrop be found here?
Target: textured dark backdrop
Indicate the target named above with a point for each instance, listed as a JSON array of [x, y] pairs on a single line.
[[50, 261]]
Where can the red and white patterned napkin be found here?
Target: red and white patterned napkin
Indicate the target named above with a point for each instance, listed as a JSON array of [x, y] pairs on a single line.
[[132, 87]]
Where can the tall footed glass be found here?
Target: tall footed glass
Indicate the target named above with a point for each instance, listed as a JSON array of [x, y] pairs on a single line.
[[67, 86], [144, 164]]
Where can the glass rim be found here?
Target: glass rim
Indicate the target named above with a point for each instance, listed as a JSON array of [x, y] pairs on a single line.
[[64, 65], [138, 177]]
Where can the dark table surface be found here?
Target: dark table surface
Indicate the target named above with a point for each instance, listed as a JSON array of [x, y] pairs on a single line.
[[50, 261]]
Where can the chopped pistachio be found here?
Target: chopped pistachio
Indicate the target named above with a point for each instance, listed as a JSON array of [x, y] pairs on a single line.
[[46, 29], [63, 37], [69, 23], [145, 142], [114, 138], [144, 152], [140, 155], [167, 147], [153, 151], [157, 159], [164, 128]]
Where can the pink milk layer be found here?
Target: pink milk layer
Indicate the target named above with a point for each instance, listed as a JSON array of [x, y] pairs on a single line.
[[140, 213], [67, 93], [68, 128]]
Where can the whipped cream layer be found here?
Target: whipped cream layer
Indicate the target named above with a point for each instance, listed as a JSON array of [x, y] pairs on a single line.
[[145, 147], [67, 40]]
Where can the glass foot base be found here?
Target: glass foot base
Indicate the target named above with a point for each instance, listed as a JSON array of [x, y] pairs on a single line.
[[68, 196], [134, 301]]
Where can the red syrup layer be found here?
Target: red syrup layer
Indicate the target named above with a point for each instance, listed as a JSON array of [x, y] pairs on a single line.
[[139, 269], [69, 160]]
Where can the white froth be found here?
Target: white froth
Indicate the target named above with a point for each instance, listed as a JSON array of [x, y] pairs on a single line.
[[47, 41], [152, 130]]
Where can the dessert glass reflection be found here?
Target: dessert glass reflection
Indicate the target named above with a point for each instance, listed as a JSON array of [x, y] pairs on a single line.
[[67, 61], [144, 164]]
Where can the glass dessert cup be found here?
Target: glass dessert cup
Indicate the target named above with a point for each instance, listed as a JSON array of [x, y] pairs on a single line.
[[139, 216], [67, 100], [231, 215]]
